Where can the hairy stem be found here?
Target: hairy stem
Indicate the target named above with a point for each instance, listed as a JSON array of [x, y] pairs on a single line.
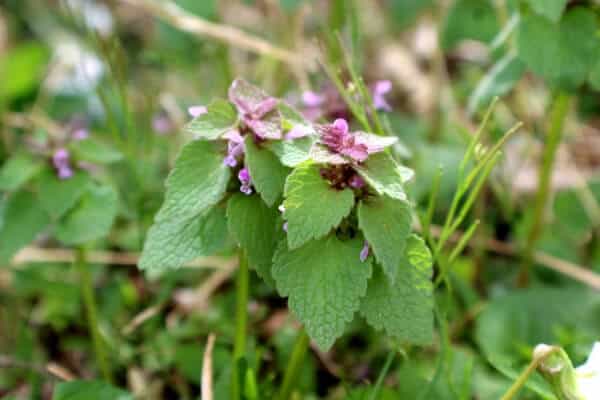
[[294, 365], [89, 300], [241, 322], [558, 114]]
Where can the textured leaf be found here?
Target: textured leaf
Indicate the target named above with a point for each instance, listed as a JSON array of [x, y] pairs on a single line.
[[268, 175], [320, 154], [551, 9], [560, 52], [469, 19], [404, 309], [385, 175], [385, 222], [197, 182], [497, 82], [89, 390], [219, 118], [18, 170], [291, 152], [312, 207], [94, 151], [257, 228], [172, 243], [91, 218], [324, 281], [22, 221], [57, 196]]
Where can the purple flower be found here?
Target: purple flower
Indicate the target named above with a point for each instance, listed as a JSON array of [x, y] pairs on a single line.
[[80, 134], [313, 99], [378, 90], [255, 109], [162, 124], [356, 182], [364, 253], [196, 111], [235, 147], [245, 180], [61, 162], [356, 146], [297, 132], [324, 104]]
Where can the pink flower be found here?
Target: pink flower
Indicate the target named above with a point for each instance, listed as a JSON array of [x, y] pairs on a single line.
[[235, 148], [61, 162], [161, 124], [356, 182], [324, 104], [196, 111], [378, 90], [255, 109], [80, 134], [245, 180]]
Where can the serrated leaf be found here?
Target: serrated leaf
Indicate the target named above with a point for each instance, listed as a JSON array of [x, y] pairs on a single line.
[[22, 221], [497, 82], [172, 243], [324, 281], [257, 229], [385, 175], [551, 9], [219, 118], [89, 390], [312, 207], [291, 152], [386, 222], [404, 309], [561, 52], [94, 151], [18, 170], [469, 19], [91, 218], [197, 182], [268, 174], [57, 196]]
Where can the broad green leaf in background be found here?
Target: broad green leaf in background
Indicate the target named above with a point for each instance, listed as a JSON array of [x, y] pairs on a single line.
[[562, 52], [268, 174], [22, 221], [220, 118], [594, 77], [172, 243], [312, 207], [25, 65], [385, 175], [91, 218], [197, 182], [256, 229], [551, 9], [89, 390], [404, 309], [57, 196], [469, 19], [500, 79], [94, 151], [386, 222], [18, 170], [324, 281]]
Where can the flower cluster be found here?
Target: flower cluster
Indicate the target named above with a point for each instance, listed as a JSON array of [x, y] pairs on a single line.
[[61, 158]]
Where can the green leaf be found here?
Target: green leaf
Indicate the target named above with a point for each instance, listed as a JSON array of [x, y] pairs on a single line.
[[551, 9], [197, 182], [172, 243], [469, 19], [404, 309], [94, 151], [594, 77], [57, 196], [25, 65], [22, 221], [89, 390], [324, 281], [497, 82], [219, 118], [385, 222], [291, 152], [257, 229], [268, 175], [385, 175], [91, 218], [562, 53], [312, 207], [18, 170]]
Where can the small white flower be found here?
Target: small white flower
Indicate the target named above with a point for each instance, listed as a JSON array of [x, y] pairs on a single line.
[[588, 375]]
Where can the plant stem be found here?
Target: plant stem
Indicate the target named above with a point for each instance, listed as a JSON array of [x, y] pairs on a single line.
[[92, 314], [522, 379], [294, 365], [560, 107], [382, 375], [241, 322]]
